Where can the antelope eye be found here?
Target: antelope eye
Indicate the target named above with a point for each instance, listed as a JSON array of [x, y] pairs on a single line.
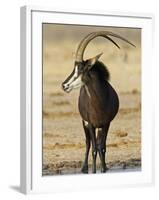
[[80, 68]]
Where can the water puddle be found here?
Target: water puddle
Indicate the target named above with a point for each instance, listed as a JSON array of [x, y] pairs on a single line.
[[72, 171]]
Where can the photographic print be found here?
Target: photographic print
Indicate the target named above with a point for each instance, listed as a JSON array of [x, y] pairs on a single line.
[[91, 99], [87, 112]]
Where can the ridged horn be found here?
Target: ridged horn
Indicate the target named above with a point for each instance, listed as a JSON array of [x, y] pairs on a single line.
[[83, 44]]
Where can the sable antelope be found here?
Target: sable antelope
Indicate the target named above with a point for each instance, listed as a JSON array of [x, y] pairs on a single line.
[[98, 102]]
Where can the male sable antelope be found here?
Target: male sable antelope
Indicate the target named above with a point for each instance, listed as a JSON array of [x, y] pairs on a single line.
[[98, 102]]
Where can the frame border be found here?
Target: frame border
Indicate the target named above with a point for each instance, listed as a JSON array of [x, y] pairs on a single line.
[[26, 185]]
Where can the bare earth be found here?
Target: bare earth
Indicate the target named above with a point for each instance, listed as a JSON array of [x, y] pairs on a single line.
[[63, 135]]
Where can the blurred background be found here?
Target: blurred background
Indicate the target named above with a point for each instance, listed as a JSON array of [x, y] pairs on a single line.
[[63, 137]]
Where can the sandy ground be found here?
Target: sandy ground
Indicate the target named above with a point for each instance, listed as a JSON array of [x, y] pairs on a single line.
[[63, 136]]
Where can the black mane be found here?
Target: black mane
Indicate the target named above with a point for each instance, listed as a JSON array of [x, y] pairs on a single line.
[[101, 70]]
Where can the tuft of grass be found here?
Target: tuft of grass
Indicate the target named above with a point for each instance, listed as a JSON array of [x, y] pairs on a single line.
[[121, 134], [55, 115], [128, 110], [58, 94], [63, 146], [61, 103]]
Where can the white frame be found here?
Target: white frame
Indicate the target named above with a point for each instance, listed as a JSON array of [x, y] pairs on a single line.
[[31, 77]]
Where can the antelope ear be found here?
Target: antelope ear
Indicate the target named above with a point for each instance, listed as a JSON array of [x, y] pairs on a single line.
[[92, 61]]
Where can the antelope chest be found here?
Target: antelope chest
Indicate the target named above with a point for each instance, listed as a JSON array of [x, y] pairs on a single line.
[[90, 111]]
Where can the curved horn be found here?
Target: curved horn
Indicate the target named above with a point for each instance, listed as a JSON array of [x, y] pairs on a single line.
[[91, 36]]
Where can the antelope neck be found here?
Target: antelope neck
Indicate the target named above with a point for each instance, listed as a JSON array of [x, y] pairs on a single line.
[[94, 88]]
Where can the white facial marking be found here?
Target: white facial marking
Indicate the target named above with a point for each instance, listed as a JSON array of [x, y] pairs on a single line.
[[76, 71], [74, 76], [76, 83]]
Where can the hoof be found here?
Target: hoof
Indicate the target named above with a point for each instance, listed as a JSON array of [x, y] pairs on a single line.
[[104, 170], [94, 171], [84, 169]]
